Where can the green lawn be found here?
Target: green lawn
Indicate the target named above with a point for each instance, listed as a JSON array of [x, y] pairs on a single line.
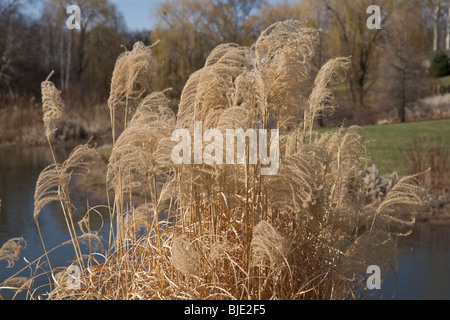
[[385, 143], [443, 81]]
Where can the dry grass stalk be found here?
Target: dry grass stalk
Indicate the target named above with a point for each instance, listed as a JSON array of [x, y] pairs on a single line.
[[53, 185], [20, 283]]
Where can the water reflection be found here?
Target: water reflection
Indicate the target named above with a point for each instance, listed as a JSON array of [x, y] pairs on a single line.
[[424, 263], [19, 171]]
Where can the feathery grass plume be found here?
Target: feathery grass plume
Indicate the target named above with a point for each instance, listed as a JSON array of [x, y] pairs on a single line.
[[208, 91], [186, 107], [53, 181], [217, 83], [80, 160], [154, 109], [132, 75], [234, 118], [267, 245], [143, 148], [322, 96], [250, 94], [132, 158], [11, 250], [52, 185], [218, 52], [402, 203], [52, 106], [298, 182], [283, 54], [185, 257]]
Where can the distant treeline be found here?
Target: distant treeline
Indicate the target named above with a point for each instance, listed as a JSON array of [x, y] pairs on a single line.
[[387, 70]]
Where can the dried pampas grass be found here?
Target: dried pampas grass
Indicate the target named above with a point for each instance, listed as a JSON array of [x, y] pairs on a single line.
[[307, 232], [132, 75]]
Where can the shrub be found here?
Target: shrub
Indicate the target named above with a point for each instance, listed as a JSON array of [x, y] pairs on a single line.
[[440, 66], [434, 155]]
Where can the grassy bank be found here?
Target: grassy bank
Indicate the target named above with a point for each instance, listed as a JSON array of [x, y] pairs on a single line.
[[385, 143], [22, 126]]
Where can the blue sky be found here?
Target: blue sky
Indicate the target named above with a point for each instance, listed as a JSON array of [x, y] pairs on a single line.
[[141, 14], [138, 14]]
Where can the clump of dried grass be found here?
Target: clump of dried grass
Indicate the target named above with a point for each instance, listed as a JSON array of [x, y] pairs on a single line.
[[232, 233], [305, 233]]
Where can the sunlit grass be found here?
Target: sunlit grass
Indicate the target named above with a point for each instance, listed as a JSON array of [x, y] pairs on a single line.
[[385, 143]]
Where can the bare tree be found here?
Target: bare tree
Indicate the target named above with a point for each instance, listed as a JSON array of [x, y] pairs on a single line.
[[190, 29], [75, 53], [401, 62], [351, 37], [8, 11]]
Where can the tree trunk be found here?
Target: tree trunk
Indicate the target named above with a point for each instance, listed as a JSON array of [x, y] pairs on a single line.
[[81, 53], [447, 38], [61, 56], [402, 111], [436, 14], [69, 52]]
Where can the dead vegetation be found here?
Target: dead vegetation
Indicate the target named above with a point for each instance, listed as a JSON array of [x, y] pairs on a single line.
[[226, 231]]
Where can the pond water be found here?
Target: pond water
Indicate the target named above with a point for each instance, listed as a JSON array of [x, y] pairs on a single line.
[[19, 171], [423, 263], [423, 266]]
